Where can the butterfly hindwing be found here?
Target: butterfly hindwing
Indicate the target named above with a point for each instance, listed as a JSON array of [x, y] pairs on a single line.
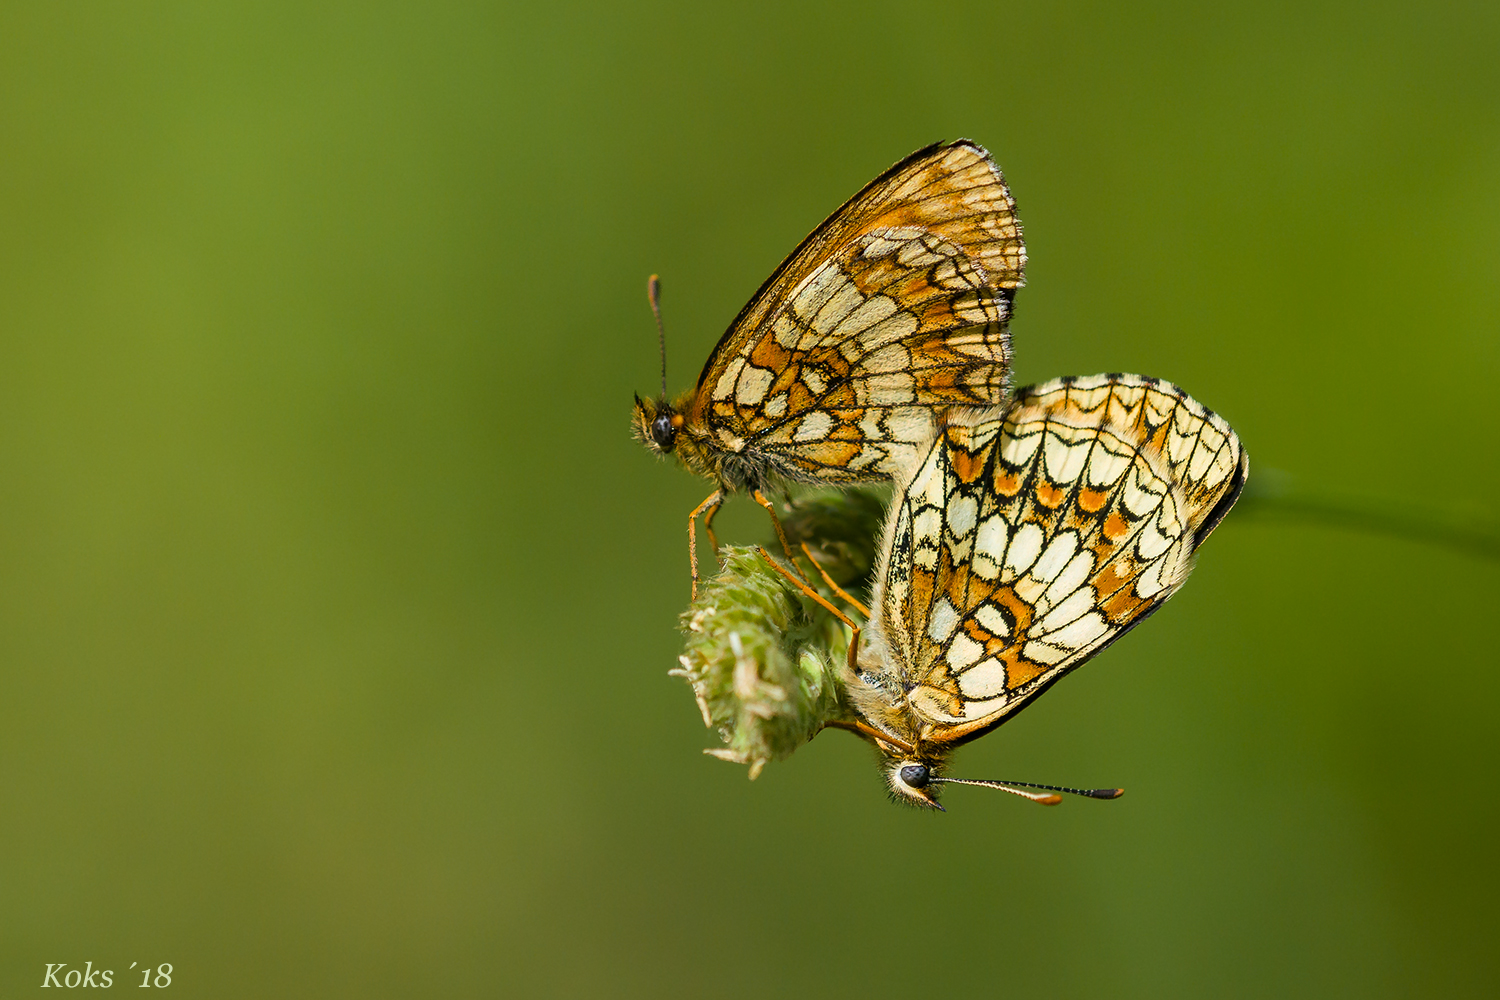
[[1203, 454], [1027, 542]]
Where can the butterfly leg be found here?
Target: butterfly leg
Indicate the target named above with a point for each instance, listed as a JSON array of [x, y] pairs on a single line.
[[864, 611], [871, 733], [708, 527], [786, 546], [711, 505], [802, 586], [856, 726]]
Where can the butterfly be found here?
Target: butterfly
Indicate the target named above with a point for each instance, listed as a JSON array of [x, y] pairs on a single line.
[[1024, 541], [896, 306]]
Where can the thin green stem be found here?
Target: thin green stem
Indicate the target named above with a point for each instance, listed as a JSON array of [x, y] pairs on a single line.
[[1272, 493]]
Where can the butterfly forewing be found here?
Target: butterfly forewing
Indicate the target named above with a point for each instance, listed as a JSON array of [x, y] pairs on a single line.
[[1027, 542], [895, 306]]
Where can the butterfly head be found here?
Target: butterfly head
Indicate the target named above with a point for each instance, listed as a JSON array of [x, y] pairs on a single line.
[[656, 424], [661, 427], [910, 777]]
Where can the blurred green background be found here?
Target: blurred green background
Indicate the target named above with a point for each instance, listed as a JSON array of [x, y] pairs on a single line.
[[336, 602]]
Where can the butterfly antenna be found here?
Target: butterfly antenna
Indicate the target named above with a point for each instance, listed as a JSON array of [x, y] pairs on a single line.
[[653, 292], [1015, 788]]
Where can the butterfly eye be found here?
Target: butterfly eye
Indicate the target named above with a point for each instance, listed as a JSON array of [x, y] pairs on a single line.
[[662, 431], [915, 775]]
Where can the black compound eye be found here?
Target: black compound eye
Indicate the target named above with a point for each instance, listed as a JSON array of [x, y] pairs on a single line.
[[915, 775], [662, 432]]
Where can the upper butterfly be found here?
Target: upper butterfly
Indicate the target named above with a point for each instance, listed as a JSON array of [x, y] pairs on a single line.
[[895, 307]]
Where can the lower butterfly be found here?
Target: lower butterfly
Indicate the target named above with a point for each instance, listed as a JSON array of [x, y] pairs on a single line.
[[1026, 540]]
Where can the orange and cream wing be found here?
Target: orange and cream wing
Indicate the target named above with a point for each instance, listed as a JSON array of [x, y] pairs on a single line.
[[896, 305], [1202, 453], [1027, 542]]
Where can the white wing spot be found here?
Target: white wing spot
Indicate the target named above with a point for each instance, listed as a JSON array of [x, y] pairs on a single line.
[[814, 427], [1150, 542], [988, 545], [1142, 493], [1024, 549], [1065, 461], [725, 387], [992, 618], [984, 680], [942, 621], [1106, 467], [929, 485], [1019, 449], [962, 509], [979, 709], [753, 385], [963, 652]]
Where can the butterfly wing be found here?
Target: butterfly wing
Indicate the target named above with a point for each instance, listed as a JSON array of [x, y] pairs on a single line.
[[1026, 543], [897, 304], [1203, 456]]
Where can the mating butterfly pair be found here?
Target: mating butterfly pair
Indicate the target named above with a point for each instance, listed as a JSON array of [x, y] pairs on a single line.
[[1025, 533]]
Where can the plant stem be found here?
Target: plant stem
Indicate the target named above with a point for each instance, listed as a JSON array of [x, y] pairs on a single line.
[[1272, 493]]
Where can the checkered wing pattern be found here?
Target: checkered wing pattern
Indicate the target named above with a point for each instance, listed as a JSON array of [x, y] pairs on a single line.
[[1027, 542], [896, 305]]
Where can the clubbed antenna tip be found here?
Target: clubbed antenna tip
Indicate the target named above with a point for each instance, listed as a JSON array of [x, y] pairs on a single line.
[[653, 292], [1015, 788]]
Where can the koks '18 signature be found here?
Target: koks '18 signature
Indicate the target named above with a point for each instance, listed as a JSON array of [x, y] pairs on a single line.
[[103, 978]]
